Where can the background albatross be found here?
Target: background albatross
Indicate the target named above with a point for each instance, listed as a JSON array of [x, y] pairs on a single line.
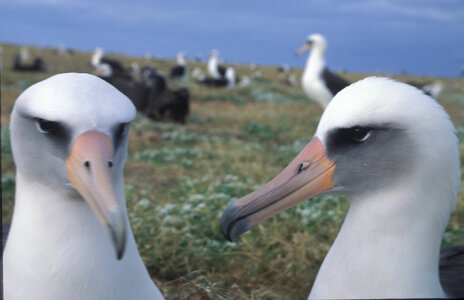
[[318, 82], [400, 169], [69, 137]]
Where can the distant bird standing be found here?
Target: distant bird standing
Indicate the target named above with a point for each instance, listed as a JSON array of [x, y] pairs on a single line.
[[215, 70], [319, 84], [180, 71], [70, 236]]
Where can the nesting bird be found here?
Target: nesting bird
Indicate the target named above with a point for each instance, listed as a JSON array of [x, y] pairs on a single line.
[[21, 62], [150, 93], [70, 236], [319, 84], [215, 70], [109, 68], [399, 168], [180, 70]]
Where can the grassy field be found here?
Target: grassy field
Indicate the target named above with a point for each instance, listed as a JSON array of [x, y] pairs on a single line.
[[179, 179]]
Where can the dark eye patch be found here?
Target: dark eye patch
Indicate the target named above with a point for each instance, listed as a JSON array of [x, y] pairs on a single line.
[[364, 164], [50, 127], [351, 136], [53, 129], [344, 137], [119, 132], [56, 132], [356, 134]]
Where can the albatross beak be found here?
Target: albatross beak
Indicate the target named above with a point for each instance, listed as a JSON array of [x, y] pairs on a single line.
[[303, 49], [89, 168], [308, 175]]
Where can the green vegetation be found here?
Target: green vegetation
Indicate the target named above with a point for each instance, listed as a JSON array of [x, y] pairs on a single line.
[[179, 179]]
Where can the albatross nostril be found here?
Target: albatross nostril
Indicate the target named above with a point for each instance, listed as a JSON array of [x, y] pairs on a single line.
[[87, 164], [304, 165]]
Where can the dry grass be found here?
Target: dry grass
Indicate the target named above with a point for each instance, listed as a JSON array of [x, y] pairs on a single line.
[[179, 179]]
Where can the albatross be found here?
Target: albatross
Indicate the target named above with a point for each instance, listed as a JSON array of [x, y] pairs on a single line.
[[180, 70], [215, 70], [70, 236], [319, 84], [109, 67], [400, 170]]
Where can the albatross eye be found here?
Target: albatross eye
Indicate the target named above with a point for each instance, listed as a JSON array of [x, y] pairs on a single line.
[[49, 127], [348, 137], [359, 134]]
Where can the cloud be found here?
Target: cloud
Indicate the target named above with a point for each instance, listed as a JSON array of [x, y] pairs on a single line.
[[441, 11]]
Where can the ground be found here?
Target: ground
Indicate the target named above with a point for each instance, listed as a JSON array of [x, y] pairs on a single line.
[[180, 178]]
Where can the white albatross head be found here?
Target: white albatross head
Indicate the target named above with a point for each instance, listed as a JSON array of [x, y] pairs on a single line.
[[315, 42], [375, 136], [70, 134]]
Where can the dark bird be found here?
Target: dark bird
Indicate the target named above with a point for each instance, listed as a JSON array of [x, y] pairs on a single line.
[[180, 71], [37, 65], [163, 103], [21, 64], [212, 82], [109, 67]]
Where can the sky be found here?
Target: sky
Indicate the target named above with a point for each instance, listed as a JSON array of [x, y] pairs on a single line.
[[420, 37]]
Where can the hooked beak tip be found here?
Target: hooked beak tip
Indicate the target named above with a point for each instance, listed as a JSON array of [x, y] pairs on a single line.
[[117, 229], [232, 225]]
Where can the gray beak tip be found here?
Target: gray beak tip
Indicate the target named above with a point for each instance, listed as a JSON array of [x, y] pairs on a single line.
[[232, 225], [117, 229]]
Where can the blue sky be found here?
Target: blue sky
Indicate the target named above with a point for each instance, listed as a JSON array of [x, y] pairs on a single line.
[[423, 37]]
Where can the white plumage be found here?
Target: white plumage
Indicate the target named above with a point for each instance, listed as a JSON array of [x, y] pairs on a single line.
[[57, 248], [388, 246], [399, 168], [215, 70], [317, 81]]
